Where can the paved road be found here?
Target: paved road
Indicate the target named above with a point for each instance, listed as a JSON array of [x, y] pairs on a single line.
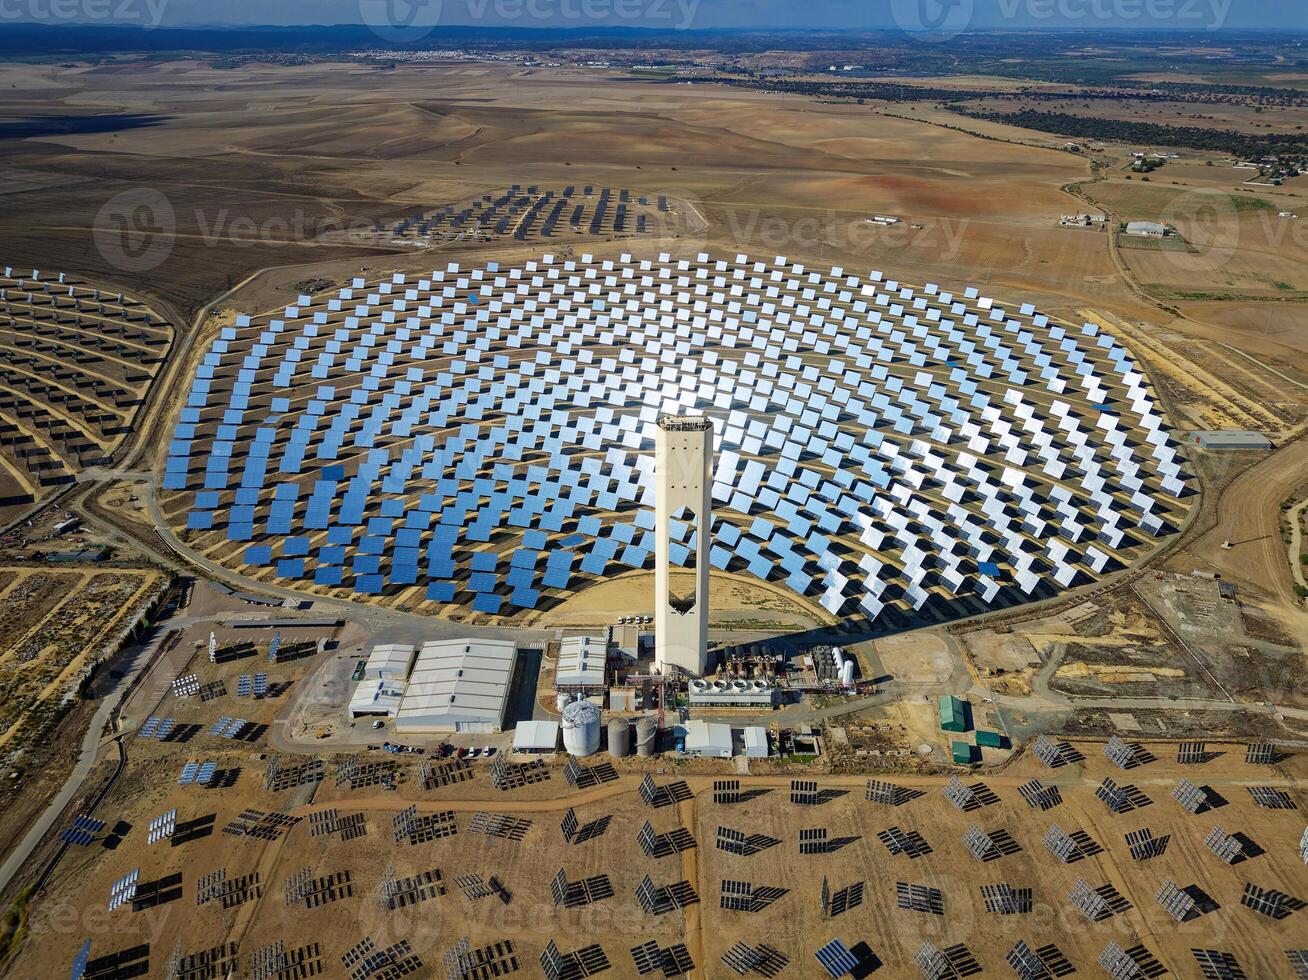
[[1248, 515]]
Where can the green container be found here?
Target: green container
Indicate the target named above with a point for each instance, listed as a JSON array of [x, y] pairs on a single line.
[[953, 715], [992, 740], [963, 753]]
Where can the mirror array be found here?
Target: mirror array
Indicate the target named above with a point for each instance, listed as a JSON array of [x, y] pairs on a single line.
[[535, 213], [482, 440], [77, 363]]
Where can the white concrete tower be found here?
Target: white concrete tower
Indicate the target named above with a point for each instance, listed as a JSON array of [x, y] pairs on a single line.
[[683, 469]]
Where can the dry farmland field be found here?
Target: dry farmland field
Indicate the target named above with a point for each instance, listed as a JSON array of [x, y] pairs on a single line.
[[768, 175], [53, 623]]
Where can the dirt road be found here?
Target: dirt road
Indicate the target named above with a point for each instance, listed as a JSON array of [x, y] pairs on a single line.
[[1248, 515]]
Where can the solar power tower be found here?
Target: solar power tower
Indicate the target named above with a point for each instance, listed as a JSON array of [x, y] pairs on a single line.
[[683, 469]]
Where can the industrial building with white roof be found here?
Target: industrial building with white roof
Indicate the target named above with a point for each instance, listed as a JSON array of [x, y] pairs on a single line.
[[458, 686], [581, 664]]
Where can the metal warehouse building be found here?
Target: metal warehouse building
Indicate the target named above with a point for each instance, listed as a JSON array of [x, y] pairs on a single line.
[[1232, 439], [458, 686], [389, 662], [581, 665], [377, 698]]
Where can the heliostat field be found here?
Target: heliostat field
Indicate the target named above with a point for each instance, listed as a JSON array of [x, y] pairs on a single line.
[[481, 440]]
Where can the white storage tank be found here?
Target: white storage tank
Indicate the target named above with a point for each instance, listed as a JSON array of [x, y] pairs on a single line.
[[581, 728]]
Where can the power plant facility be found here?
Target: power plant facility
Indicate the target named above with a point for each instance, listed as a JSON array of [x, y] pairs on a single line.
[[683, 471], [479, 572], [731, 694]]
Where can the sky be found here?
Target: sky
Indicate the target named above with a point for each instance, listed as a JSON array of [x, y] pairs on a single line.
[[948, 17]]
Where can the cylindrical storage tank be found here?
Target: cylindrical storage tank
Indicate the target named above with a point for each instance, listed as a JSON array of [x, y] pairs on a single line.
[[847, 674], [581, 728], [647, 736], [562, 701], [619, 738]]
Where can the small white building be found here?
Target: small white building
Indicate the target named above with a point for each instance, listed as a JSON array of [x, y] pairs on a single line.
[[756, 742], [709, 741], [376, 699], [1083, 220], [536, 737], [458, 686], [390, 661], [1147, 229]]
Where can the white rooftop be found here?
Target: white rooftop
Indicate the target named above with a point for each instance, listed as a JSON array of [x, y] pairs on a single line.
[[377, 697], [390, 661], [581, 661], [458, 682], [536, 736], [708, 739], [756, 742]]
